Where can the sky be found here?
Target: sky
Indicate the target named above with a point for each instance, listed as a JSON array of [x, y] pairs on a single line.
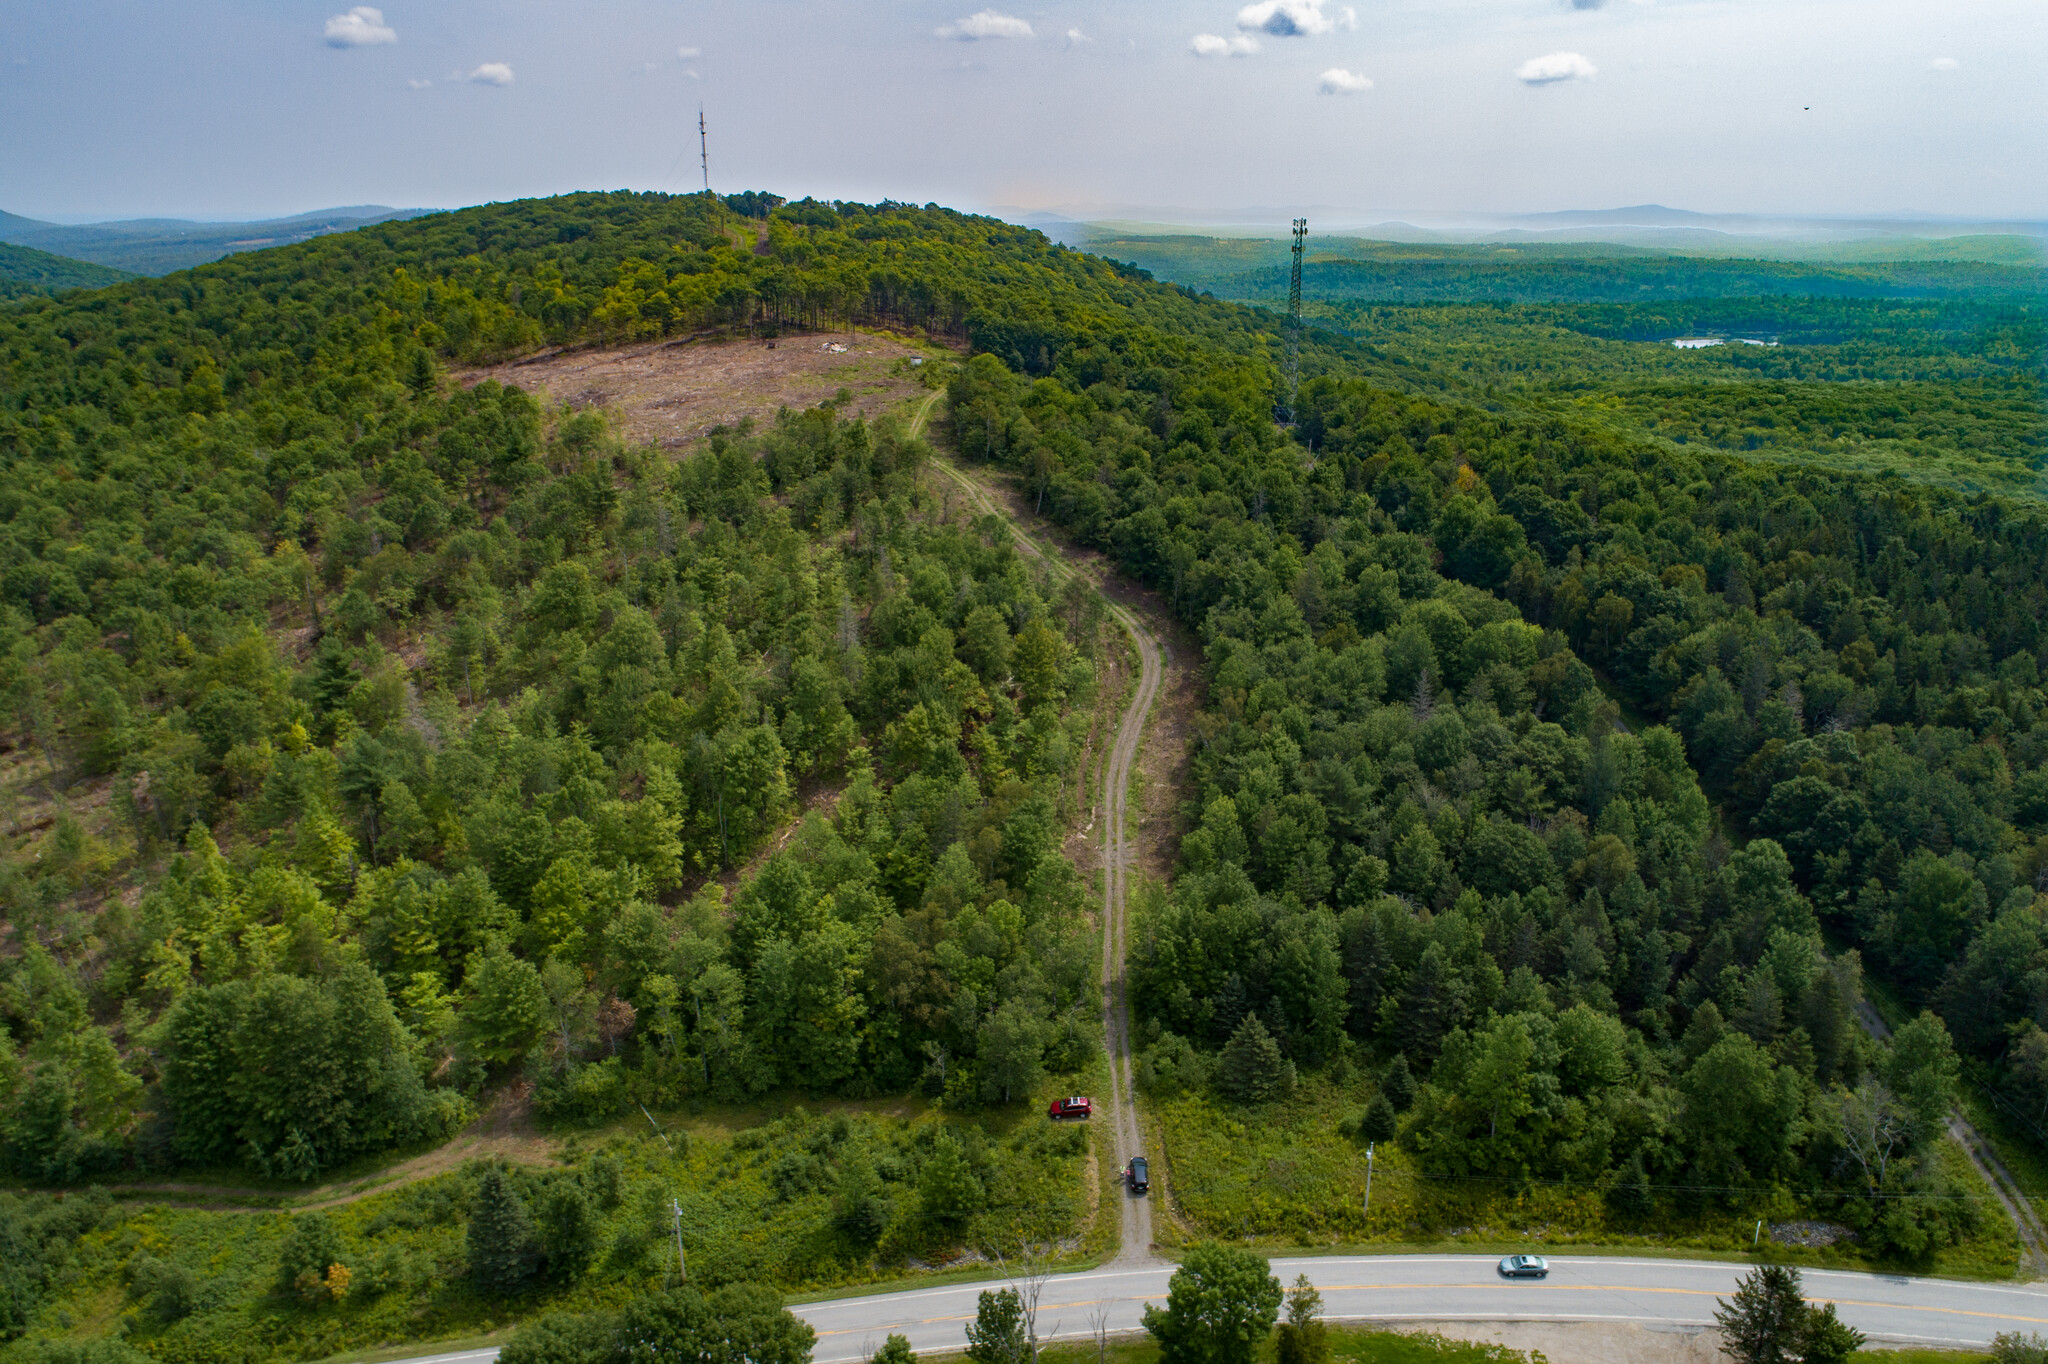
[[234, 109]]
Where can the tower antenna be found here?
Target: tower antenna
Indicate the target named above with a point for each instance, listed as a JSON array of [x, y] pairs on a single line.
[[704, 159], [1294, 317]]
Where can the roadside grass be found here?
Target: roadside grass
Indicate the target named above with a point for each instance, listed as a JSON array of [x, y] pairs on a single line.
[[1348, 1345], [2019, 1149], [1283, 1179], [758, 1189]]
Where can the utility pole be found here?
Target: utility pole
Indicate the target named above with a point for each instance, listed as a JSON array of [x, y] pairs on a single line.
[[704, 161], [1370, 1147], [1294, 317], [682, 1265]]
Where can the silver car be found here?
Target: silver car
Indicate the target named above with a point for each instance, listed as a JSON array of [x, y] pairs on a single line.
[[1524, 1267]]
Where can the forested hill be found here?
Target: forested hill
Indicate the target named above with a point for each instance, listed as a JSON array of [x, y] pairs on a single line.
[[24, 270], [544, 679], [394, 731]]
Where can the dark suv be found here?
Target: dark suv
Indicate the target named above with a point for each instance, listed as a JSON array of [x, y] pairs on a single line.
[[1138, 1174]]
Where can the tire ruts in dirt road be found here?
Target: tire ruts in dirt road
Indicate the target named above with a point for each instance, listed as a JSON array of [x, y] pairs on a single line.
[[1135, 1220]]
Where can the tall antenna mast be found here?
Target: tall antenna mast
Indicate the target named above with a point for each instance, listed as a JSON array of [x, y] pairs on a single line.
[[704, 160], [1294, 317]]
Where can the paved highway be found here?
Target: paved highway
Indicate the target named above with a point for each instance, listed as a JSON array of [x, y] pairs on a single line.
[[1395, 1288]]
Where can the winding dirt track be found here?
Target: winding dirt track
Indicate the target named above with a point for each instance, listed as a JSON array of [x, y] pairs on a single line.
[[1134, 1244]]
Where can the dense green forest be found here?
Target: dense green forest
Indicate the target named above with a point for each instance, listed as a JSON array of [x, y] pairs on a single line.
[[1931, 369], [24, 270], [427, 715], [1555, 786], [1346, 268], [1480, 680]]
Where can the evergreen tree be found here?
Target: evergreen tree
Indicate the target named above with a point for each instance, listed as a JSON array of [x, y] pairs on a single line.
[[1762, 1324], [1379, 1122], [863, 1212], [1432, 1003], [501, 1240], [567, 1228], [1398, 1084], [1229, 1006], [1630, 1195], [947, 1186], [1252, 1070]]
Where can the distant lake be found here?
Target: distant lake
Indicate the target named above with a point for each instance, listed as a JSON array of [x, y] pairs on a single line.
[[1702, 342]]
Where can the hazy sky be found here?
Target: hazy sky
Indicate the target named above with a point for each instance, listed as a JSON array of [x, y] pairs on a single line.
[[242, 108]]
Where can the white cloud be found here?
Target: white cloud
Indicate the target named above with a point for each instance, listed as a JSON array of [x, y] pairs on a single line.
[[421, 85], [985, 24], [491, 73], [1210, 45], [1293, 18], [1075, 37], [362, 26], [1553, 67], [1944, 64], [1338, 81], [688, 52]]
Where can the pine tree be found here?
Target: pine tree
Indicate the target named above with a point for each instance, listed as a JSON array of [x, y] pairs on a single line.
[[1379, 1122], [863, 1212], [1228, 1006], [501, 1243], [1398, 1084], [1630, 1195], [1763, 1323], [947, 1186], [1252, 1069], [567, 1228]]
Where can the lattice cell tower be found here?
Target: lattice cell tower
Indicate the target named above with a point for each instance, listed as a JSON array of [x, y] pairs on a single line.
[[1294, 316]]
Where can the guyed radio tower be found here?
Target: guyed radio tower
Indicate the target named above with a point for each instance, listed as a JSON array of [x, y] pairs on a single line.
[[1294, 317]]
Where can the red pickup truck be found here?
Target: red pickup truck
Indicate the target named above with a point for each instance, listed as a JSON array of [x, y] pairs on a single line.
[[1071, 1108]]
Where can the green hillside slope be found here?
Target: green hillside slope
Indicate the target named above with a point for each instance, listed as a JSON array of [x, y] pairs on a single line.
[[1554, 784], [24, 270]]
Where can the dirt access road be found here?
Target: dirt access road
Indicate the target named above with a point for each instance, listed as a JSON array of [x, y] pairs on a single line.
[[1119, 853]]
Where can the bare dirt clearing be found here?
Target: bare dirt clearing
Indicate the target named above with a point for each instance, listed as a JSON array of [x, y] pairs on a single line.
[[672, 393]]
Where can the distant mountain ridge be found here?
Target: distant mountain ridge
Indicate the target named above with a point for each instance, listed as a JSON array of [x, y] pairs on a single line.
[[157, 246], [1652, 227]]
